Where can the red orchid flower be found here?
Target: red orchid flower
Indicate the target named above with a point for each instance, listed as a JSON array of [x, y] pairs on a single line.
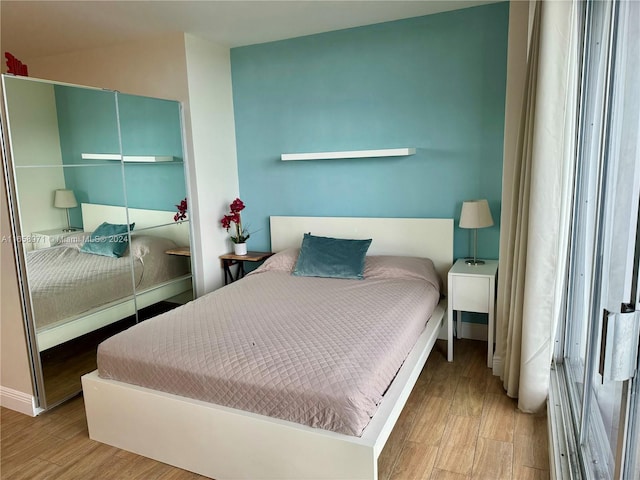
[[182, 211], [235, 208]]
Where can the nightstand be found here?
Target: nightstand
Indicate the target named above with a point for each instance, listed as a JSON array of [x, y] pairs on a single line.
[[472, 288], [50, 238], [230, 259]]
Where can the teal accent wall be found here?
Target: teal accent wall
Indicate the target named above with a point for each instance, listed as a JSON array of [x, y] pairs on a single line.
[[436, 83], [88, 123], [151, 126]]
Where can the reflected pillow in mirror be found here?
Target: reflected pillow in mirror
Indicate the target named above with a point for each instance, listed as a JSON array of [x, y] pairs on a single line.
[[150, 245], [331, 257], [109, 240]]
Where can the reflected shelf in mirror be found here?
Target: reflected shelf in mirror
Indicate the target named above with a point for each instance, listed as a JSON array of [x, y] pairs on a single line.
[[128, 158]]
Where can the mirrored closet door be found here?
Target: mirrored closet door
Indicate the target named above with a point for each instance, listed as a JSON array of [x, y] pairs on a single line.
[[94, 178]]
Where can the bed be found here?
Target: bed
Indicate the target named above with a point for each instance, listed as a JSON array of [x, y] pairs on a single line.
[[225, 442], [74, 293]]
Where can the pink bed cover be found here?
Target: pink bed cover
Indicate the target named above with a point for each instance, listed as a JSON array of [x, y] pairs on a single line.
[[316, 351]]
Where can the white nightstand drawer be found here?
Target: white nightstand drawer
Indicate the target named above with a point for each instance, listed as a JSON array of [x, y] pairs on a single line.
[[471, 294]]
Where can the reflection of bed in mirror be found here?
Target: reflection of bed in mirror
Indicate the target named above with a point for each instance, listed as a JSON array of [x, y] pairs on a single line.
[[74, 293]]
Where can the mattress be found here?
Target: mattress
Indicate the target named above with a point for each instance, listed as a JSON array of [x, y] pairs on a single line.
[[66, 283], [316, 351]]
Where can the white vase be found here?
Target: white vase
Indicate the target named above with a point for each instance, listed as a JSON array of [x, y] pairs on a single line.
[[240, 248]]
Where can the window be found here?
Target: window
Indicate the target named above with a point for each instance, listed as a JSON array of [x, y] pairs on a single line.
[[603, 265]]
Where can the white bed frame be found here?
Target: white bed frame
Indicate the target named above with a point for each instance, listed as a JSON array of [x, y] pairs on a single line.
[[146, 220], [225, 443]]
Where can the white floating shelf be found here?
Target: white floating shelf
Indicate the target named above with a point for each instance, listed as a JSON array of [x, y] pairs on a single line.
[[101, 156], [147, 159], [127, 158], [388, 152]]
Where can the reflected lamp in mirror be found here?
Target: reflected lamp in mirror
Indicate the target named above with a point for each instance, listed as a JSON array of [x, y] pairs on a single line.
[[65, 199], [475, 214]]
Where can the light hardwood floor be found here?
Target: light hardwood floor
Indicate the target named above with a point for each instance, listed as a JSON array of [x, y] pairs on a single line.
[[458, 424]]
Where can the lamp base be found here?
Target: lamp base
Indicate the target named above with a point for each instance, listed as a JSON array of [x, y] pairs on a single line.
[[471, 261], [70, 229]]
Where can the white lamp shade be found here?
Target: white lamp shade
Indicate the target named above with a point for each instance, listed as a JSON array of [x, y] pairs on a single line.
[[65, 199], [475, 214]]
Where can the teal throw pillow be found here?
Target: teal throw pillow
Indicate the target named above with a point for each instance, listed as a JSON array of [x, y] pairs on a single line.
[[109, 240], [331, 257]]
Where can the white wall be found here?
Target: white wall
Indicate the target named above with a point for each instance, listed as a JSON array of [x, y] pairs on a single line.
[[153, 67], [35, 140], [214, 147]]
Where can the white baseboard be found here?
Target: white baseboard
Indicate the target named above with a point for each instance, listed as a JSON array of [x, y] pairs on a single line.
[[473, 331], [18, 401]]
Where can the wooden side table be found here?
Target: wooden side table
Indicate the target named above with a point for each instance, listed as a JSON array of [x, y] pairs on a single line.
[[472, 288], [228, 260], [180, 251]]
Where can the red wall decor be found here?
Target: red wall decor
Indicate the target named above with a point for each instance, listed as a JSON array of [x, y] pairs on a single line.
[[15, 66]]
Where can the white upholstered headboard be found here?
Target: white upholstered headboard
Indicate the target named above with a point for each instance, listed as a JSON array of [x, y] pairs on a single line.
[[94, 214], [411, 237]]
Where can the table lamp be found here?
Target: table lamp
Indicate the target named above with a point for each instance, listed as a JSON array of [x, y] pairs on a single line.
[[475, 214], [65, 199]]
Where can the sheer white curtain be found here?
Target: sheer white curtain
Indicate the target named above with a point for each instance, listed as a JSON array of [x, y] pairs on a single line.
[[536, 205]]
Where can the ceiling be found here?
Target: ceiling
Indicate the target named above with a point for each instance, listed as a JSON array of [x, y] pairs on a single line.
[[32, 29]]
